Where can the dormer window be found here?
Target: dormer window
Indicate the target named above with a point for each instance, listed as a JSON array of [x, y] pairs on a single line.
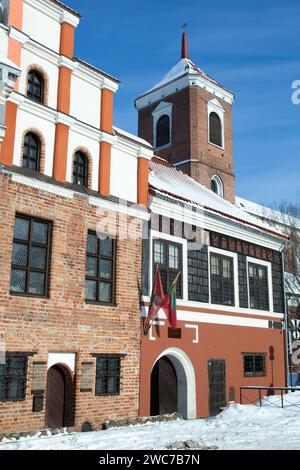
[[35, 87], [217, 186], [163, 131]]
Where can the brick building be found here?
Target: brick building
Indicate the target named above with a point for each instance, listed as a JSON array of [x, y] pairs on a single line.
[[69, 300], [231, 291]]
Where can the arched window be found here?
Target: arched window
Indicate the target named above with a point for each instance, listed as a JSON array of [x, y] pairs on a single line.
[[215, 129], [35, 87], [163, 131], [80, 170], [32, 152], [217, 186]]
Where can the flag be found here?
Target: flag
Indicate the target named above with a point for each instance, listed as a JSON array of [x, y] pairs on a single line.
[[170, 307], [156, 302]]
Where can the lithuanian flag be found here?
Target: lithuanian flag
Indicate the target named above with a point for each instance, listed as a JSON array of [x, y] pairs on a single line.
[[170, 304]]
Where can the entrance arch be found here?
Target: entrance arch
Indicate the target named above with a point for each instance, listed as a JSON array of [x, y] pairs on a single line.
[[59, 397], [173, 381]]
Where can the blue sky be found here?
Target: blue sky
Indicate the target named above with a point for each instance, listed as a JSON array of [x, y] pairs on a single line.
[[252, 47]]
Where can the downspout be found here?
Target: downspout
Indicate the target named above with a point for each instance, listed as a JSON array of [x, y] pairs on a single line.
[[286, 320]]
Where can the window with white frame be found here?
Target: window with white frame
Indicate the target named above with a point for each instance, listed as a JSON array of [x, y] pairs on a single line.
[[222, 279], [167, 256], [258, 286]]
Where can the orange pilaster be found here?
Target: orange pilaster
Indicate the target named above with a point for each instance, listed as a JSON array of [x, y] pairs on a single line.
[[67, 37], [7, 147], [104, 169], [60, 152], [15, 17], [142, 181], [107, 108], [64, 90]]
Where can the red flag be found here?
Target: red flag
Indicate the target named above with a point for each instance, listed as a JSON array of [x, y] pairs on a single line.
[[170, 307], [156, 302]]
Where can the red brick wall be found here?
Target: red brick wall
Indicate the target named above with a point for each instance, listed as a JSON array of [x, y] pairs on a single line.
[[190, 138], [64, 322]]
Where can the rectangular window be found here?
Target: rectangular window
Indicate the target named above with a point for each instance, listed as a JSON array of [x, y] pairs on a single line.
[[13, 376], [30, 257], [168, 256], [108, 371], [221, 280], [258, 287], [100, 269], [254, 365]]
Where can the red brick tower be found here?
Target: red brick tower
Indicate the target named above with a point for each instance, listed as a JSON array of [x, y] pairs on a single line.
[[187, 117]]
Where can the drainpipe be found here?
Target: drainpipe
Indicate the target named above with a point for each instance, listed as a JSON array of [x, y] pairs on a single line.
[[286, 320]]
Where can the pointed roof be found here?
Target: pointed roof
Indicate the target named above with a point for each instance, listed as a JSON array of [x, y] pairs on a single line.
[[186, 68]]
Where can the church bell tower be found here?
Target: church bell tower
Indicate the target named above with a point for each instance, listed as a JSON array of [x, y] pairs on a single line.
[[187, 117]]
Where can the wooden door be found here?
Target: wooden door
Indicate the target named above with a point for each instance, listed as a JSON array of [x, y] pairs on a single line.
[[56, 396], [217, 386], [164, 388]]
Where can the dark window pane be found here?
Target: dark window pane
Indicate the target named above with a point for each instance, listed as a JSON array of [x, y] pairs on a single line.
[[32, 151], [13, 378], [100, 386], [105, 292], [35, 87], [80, 169], [20, 255], [21, 229], [106, 269], [91, 290], [92, 244], [38, 257], [91, 266], [106, 247], [39, 232], [36, 283], [18, 281]]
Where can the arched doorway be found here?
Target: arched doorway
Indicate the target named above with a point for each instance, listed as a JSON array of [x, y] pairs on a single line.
[[164, 388], [60, 397], [173, 385]]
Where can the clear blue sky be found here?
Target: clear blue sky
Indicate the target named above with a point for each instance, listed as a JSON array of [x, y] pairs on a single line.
[[251, 46]]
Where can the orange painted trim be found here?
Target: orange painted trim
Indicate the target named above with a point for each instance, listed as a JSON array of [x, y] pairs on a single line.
[[61, 152], [8, 144], [15, 17], [142, 183], [104, 169], [221, 312], [67, 40], [64, 90], [107, 107]]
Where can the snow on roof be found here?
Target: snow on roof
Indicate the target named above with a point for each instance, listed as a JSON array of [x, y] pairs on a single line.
[[183, 67], [172, 181], [132, 137], [272, 216]]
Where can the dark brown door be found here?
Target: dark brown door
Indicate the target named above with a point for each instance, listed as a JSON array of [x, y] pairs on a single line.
[[217, 386], [164, 388], [56, 395]]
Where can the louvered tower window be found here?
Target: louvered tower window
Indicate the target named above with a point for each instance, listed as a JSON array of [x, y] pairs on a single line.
[[215, 130], [163, 131]]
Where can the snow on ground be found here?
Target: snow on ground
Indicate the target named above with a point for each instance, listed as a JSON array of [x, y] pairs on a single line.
[[238, 427]]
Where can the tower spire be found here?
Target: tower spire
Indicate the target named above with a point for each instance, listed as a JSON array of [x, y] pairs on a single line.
[[185, 47]]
